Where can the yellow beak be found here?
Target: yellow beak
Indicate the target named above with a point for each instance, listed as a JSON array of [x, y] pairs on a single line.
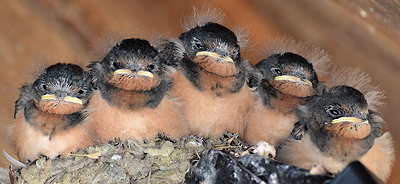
[[213, 54], [127, 72], [145, 73], [67, 98], [293, 79], [122, 71], [349, 119], [49, 97], [73, 100]]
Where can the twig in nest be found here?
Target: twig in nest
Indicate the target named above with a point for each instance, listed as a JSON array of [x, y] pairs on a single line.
[[11, 174], [162, 177], [91, 155], [197, 153]]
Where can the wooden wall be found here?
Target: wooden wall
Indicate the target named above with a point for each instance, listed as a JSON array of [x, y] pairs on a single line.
[[356, 33]]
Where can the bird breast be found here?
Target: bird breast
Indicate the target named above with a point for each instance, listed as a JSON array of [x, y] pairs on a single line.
[[292, 88], [350, 130]]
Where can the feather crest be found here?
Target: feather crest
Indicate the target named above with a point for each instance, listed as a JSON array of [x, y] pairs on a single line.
[[203, 16], [359, 80], [315, 55]]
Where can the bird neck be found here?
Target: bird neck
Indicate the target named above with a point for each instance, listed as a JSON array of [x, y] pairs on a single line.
[[206, 81], [274, 99], [130, 99], [286, 103], [339, 147], [48, 123]]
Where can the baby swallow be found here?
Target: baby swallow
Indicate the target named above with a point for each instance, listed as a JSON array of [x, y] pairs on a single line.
[[211, 80], [131, 100], [336, 128], [49, 116], [287, 79]]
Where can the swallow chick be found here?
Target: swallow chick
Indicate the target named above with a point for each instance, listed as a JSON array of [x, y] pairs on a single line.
[[49, 114], [287, 79], [131, 100], [211, 80], [336, 128]]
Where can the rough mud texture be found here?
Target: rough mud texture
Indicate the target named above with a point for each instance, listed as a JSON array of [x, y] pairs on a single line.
[[191, 160], [155, 162], [159, 161]]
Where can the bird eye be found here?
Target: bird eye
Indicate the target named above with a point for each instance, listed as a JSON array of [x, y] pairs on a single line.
[[235, 52], [44, 86], [333, 112], [115, 64], [81, 91], [276, 71], [198, 44], [151, 66]]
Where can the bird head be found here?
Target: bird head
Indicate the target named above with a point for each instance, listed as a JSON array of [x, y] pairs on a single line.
[[342, 110], [61, 89], [131, 65], [289, 73], [213, 47]]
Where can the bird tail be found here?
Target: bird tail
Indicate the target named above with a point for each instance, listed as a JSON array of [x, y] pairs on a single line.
[[13, 161]]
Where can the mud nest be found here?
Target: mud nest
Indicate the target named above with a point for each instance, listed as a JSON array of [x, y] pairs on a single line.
[[157, 161]]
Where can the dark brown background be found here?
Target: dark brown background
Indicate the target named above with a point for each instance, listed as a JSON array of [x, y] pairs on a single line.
[[356, 33]]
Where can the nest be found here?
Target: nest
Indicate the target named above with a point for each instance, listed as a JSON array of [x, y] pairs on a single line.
[[156, 161]]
